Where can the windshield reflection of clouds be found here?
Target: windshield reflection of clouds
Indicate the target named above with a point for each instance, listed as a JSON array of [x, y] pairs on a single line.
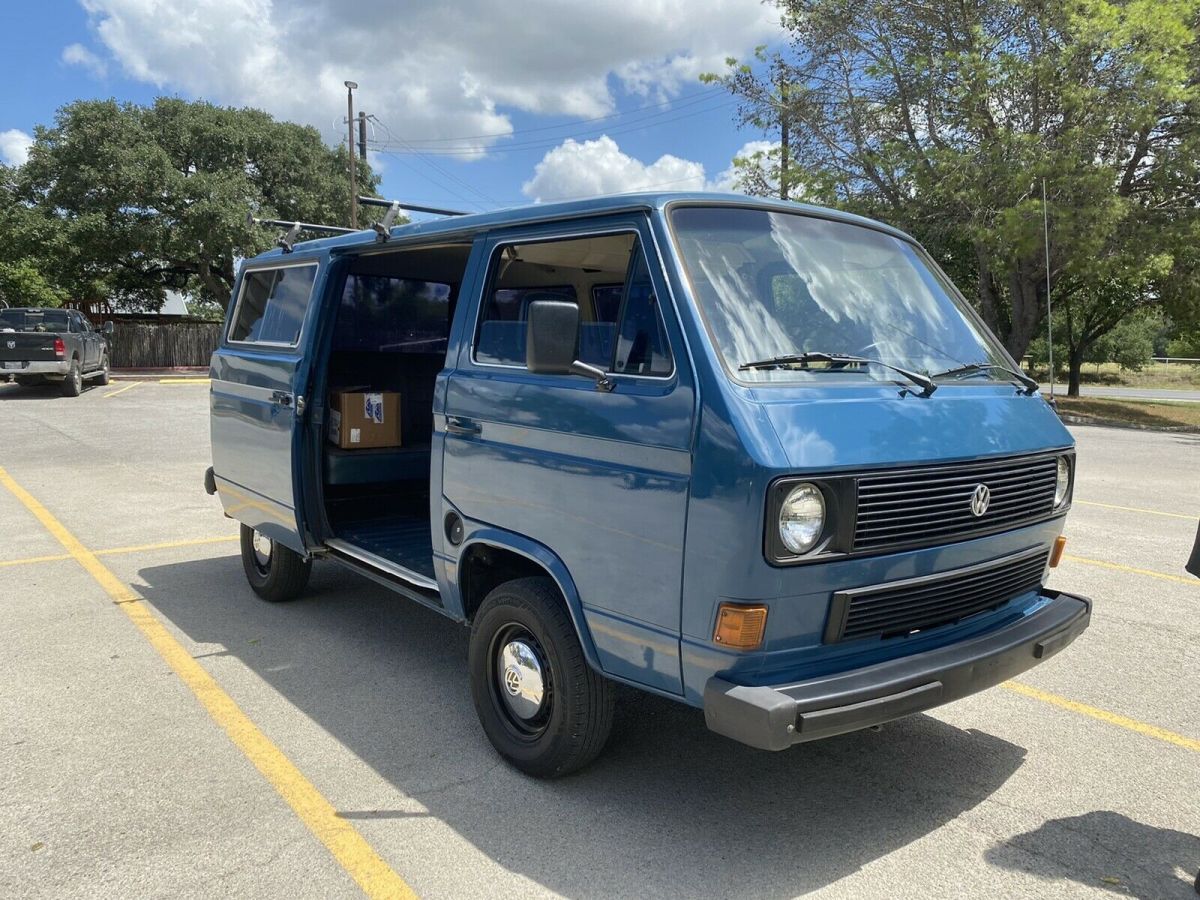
[[773, 284]]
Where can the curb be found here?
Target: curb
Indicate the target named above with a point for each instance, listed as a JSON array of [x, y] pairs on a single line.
[[157, 374], [1070, 419]]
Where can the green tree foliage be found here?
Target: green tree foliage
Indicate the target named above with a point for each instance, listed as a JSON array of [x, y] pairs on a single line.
[[131, 201], [944, 118]]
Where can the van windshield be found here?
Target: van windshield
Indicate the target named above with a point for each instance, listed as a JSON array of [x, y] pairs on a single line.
[[772, 284]]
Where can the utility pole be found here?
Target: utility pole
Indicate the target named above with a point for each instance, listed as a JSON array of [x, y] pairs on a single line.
[[1049, 321], [783, 135], [350, 86], [362, 135]]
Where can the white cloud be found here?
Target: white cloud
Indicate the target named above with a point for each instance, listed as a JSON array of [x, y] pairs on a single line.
[[14, 146], [730, 179], [79, 55], [429, 70], [586, 169]]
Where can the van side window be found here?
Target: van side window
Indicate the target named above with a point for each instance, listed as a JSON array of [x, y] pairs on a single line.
[[383, 314], [621, 328], [272, 305]]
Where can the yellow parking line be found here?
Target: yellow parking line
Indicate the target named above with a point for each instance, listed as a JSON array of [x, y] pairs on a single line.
[[1104, 715], [168, 545], [1136, 509], [128, 387], [348, 847], [33, 559], [1166, 576], [165, 545], [183, 381]]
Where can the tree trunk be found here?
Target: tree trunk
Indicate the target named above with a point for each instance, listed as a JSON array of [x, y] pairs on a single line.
[[1026, 310], [1074, 365]]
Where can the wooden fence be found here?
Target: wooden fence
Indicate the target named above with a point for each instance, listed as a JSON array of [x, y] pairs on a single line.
[[136, 345]]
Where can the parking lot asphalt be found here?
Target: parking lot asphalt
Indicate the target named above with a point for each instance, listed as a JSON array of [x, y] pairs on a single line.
[[358, 763]]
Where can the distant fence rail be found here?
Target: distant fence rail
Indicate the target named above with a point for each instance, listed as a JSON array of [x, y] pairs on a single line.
[[136, 345]]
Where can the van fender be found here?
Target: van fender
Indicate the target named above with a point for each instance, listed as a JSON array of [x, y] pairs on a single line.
[[548, 560]]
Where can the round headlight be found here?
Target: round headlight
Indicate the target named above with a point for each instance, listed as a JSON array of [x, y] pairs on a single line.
[[802, 518], [1063, 484]]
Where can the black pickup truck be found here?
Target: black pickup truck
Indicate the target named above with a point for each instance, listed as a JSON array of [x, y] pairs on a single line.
[[40, 345]]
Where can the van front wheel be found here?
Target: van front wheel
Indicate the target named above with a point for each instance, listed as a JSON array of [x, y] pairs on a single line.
[[541, 705], [275, 572]]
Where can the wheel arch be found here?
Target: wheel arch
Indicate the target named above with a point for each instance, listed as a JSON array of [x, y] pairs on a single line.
[[490, 557]]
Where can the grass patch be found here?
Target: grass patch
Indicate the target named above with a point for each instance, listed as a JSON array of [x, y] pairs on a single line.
[[1133, 412], [1166, 376]]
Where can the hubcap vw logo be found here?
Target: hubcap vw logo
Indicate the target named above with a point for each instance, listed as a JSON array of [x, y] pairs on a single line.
[[980, 500]]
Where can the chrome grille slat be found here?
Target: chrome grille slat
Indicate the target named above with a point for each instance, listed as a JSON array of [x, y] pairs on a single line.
[[911, 507]]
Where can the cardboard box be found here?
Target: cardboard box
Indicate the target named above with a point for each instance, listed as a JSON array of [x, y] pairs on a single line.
[[364, 419]]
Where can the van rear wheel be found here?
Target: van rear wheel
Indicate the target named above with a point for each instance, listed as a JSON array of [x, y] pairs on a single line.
[[275, 572], [542, 706]]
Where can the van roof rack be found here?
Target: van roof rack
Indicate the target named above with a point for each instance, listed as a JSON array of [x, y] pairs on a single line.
[[287, 240], [383, 228]]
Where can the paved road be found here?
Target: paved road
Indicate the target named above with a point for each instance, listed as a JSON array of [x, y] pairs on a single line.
[[117, 782], [1123, 393]]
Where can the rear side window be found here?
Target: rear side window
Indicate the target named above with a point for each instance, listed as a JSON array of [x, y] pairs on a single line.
[[393, 315], [272, 305]]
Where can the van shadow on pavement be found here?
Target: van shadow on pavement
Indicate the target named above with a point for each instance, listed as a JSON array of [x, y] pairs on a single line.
[[670, 808]]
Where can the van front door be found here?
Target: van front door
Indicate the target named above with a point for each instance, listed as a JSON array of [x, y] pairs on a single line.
[[258, 378], [598, 477]]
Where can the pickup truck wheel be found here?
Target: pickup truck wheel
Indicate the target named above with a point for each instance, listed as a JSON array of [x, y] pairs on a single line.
[[103, 378], [72, 385], [541, 705], [275, 572]]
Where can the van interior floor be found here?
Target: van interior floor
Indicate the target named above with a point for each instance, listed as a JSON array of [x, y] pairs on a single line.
[[393, 528]]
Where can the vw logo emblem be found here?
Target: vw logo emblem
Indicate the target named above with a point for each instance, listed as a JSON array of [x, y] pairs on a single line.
[[12, 345], [512, 680], [980, 498]]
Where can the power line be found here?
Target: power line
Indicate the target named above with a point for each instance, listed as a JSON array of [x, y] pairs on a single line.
[[433, 166], [553, 142], [675, 104]]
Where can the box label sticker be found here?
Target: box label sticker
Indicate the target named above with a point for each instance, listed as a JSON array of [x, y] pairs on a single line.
[[356, 435], [373, 408]]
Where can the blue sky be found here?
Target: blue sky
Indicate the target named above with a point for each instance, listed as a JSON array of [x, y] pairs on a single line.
[[477, 104]]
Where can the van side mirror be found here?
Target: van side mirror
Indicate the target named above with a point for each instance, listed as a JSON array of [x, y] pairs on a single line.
[[552, 342], [106, 328]]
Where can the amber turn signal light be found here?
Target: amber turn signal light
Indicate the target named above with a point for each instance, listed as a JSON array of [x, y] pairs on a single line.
[[1060, 543], [740, 627]]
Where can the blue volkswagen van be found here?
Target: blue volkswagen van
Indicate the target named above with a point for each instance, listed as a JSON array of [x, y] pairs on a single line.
[[758, 457]]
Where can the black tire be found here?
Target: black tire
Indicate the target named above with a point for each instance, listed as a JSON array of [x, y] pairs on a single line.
[[276, 573], [72, 384], [103, 378], [574, 706], [30, 380]]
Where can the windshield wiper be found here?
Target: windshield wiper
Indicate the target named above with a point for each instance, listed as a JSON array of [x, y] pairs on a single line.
[[1029, 384], [803, 359]]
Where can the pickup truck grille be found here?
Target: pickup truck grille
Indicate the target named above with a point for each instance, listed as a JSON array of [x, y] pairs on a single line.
[[932, 505], [905, 606]]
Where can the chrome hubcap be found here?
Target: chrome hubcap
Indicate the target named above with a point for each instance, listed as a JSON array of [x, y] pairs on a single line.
[[262, 550], [520, 674]]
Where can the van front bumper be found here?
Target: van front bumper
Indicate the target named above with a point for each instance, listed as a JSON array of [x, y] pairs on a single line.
[[775, 717]]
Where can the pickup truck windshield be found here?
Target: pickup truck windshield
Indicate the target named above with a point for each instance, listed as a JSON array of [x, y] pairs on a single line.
[[772, 284], [26, 320]]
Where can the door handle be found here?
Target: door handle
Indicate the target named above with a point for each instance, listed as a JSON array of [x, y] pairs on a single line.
[[283, 398], [462, 427]]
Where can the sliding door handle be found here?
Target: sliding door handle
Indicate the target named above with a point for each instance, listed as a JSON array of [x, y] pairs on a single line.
[[461, 427]]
